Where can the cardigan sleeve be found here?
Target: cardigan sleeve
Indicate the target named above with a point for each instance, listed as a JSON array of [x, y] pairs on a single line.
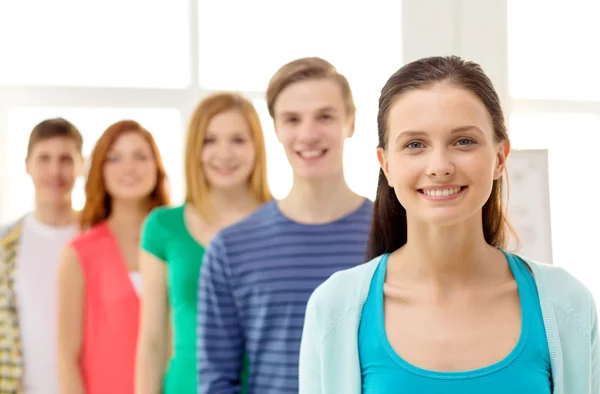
[[595, 344], [309, 373]]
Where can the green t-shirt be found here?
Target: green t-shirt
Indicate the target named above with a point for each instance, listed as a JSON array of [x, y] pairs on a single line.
[[166, 236]]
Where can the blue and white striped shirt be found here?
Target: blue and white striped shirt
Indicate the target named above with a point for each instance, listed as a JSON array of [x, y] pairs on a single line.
[[255, 282]]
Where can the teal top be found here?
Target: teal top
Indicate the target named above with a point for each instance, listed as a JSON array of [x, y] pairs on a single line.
[[166, 236], [526, 370], [329, 356]]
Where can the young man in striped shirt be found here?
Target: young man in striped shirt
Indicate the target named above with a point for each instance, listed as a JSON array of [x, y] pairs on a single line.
[[258, 274]]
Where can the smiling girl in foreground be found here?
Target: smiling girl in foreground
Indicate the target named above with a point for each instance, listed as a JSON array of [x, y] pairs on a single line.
[[442, 307]]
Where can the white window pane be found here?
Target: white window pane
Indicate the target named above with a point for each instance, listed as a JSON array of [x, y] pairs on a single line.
[[242, 43], [164, 124], [551, 49], [360, 160], [279, 171], [362, 40], [112, 43], [572, 141]]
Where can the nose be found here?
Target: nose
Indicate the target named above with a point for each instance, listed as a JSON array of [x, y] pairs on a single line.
[[440, 163], [308, 133], [129, 164], [54, 167], [224, 150]]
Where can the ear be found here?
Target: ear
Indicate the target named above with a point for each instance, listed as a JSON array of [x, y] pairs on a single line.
[[83, 164], [383, 163], [351, 124], [277, 134], [84, 168], [27, 167], [501, 157]]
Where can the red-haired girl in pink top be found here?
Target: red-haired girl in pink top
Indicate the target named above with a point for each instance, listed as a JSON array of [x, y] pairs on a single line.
[[98, 283]]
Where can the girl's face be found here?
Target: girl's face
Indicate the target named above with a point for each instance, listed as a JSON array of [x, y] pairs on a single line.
[[229, 154], [130, 171], [441, 157]]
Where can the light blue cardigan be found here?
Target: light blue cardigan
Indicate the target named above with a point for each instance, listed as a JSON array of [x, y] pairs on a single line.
[[329, 362]]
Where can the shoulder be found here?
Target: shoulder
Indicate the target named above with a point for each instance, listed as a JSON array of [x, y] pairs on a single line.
[[366, 207], [10, 234], [343, 292], [7, 228], [253, 229], [346, 282], [362, 216], [163, 216], [258, 221], [89, 237], [567, 294], [70, 269]]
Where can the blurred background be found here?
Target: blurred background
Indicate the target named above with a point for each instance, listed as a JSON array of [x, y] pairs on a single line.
[[95, 63]]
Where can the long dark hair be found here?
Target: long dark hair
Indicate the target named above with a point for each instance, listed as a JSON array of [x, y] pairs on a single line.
[[388, 229]]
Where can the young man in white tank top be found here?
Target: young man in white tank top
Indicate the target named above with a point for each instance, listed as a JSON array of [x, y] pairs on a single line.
[[29, 253]]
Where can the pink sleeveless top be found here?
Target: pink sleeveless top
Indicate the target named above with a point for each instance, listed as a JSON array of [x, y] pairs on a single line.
[[111, 314]]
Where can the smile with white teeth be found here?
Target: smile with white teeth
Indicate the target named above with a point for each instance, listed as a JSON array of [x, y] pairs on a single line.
[[309, 154], [441, 192]]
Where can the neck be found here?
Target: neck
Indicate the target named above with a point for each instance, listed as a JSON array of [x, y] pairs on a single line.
[[447, 256], [321, 201], [232, 204], [58, 214], [127, 216]]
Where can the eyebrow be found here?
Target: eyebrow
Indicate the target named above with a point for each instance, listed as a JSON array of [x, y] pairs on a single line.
[[322, 109], [420, 133], [234, 131], [136, 149]]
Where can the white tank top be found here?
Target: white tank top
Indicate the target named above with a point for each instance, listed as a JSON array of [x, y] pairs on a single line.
[[136, 280]]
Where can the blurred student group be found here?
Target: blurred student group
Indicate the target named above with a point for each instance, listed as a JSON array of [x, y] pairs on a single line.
[[134, 295]]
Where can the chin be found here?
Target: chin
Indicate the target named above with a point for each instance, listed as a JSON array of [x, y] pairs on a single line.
[[311, 177], [131, 195], [57, 199], [56, 195], [316, 173], [443, 221], [56, 191], [226, 184], [445, 217]]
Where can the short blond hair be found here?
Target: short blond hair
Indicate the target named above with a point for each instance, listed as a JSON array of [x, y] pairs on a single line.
[[196, 184], [304, 69]]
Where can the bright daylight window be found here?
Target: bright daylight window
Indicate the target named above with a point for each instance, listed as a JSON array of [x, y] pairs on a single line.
[[111, 43], [363, 41], [551, 53]]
